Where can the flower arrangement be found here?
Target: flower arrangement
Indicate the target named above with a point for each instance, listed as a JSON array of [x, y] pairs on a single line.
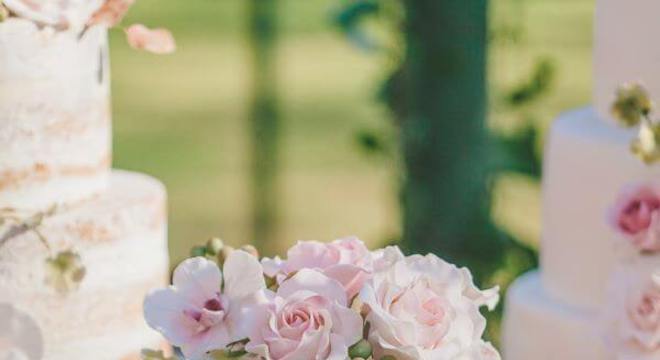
[[331, 301], [80, 15]]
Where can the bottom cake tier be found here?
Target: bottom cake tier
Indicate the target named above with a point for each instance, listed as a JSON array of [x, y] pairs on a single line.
[[120, 237], [540, 328]]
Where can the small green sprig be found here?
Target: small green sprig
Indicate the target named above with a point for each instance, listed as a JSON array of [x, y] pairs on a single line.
[[65, 271], [633, 107]]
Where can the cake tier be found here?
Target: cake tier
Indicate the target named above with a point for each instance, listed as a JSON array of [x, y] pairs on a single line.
[[540, 328], [587, 163], [121, 239], [54, 115], [625, 49]]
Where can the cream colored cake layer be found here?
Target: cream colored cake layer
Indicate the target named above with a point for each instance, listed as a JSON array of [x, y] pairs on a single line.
[[587, 163], [540, 328], [54, 115], [625, 48], [121, 238]]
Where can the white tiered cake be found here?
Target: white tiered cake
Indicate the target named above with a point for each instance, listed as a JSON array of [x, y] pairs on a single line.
[[55, 150], [557, 312]]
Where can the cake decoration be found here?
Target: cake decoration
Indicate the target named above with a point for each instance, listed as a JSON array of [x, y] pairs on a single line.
[[636, 216], [80, 15], [334, 300], [633, 107], [64, 271]]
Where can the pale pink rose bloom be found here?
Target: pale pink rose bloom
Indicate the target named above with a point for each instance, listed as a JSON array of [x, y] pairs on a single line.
[[309, 318], [195, 315], [111, 13], [345, 260], [64, 13], [157, 41], [423, 308], [636, 216], [642, 325]]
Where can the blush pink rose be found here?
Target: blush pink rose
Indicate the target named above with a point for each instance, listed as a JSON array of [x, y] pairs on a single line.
[[345, 260], [422, 308], [198, 314], [636, 216], [157, 41], [111, 13], [643, 315], [309, 318]]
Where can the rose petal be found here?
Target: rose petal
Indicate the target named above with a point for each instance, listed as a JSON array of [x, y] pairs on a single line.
[[316, 282], [111, 13], [157, 41]]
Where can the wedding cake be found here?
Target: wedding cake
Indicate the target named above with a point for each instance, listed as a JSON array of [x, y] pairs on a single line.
[[563, 310], [80, 244]]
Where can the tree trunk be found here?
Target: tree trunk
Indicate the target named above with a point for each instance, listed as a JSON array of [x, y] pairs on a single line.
[[443, 131], [264, 122]]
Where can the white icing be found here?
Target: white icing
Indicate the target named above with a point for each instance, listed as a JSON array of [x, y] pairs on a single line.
[[625, 49], [538, 327], [587, 163], [121, 238], [54, 114]]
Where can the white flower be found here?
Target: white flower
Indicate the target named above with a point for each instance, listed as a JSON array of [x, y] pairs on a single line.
[[195, 315], [423, 308]]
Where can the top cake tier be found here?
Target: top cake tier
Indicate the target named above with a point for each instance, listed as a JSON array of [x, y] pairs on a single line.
[[54, 115], [625, 49]]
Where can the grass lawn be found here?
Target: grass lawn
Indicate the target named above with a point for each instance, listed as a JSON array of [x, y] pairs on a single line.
[[182, 118]]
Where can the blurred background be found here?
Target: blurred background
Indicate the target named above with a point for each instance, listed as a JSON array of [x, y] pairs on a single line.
[[282, 120]]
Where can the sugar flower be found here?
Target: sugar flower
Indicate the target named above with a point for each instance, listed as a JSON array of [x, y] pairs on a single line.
[[309, 318], [422, 308], [636, 216], [111, 13], [345, 260], [198, 314], [157, 41]]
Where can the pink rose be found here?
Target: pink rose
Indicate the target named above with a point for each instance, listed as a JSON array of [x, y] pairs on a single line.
[[422, 308], [309, 318], [643, 310], [636, 215], [345, 260], [111, 13], [157, 41], [198, 315]]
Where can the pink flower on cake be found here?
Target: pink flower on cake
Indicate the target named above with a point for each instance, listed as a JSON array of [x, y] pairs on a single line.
[[111, 13], [636, 215], [309, 318], [61, 13], [157, 41], [195, 315], [422, 308], [345, 260], [643, 316]]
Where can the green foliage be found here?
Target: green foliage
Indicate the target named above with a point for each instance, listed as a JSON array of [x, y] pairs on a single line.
[[350, 18], [538, 84]]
